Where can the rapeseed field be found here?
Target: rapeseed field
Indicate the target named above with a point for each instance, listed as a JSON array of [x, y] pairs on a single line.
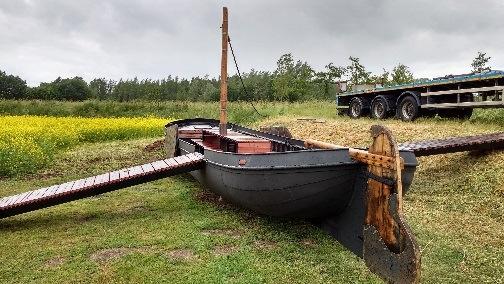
[[27, 143]]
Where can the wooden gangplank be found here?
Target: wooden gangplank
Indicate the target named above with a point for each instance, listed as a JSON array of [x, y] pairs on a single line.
[[78, 189], [484, 142]]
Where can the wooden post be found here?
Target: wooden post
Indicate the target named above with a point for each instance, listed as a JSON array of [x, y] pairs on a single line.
[[223, 85]]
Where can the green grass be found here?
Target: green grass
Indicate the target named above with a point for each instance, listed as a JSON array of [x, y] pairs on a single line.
[[174, 231], [138, 234], [239, 112]]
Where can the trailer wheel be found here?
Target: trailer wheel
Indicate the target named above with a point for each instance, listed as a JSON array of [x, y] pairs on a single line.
[[356, 108], [379, 109], [408, 109]]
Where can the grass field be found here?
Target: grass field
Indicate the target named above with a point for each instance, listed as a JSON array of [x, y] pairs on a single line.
[[175, 231], [239, 112]]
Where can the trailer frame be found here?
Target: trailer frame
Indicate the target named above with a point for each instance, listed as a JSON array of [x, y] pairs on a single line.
[[448, 96]]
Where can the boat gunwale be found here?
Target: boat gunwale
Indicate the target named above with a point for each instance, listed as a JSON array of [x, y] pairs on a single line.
[[272, 154]]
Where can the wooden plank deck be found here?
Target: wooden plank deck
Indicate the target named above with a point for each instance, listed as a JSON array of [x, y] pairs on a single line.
[[73, 190]]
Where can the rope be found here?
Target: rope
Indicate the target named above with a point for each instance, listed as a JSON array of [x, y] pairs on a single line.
[[241, 79]]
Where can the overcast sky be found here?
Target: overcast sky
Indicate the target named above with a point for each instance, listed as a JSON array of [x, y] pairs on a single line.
[[43, 39]]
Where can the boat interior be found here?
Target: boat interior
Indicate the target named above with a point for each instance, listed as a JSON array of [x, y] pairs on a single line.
[[236, 141]]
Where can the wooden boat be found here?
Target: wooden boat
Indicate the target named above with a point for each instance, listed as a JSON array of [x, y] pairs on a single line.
[[274, 175], [355, 194]]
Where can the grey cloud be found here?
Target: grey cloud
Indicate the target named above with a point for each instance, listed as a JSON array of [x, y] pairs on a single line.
[[44, 39]]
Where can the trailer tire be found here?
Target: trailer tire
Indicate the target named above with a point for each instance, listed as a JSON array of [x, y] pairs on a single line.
[[408, 109], [379, 108], [356, 108]]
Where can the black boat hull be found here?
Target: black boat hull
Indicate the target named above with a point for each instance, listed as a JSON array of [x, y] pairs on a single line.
[[303, 183]]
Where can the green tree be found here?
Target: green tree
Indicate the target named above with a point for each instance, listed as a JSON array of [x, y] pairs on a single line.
[[45, 91], [99, 88], [292, 79], [479, 63], [72, 89], [12, 87], [401, 74], [329, 77], [382, 79], [357, 72]]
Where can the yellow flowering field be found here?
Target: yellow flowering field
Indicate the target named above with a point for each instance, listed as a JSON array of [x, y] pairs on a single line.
[[29, 142]]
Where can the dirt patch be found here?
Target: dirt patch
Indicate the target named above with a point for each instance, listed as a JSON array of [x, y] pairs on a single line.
[[209, 197], [308, 242], [155, 146], [40, 175], [54, 262], [181, 255], [97, 160], [86, 218], [106, 255], [235, 234], [224, 250], [265, 245]]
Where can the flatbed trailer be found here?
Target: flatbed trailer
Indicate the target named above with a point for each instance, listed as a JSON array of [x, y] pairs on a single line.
[[452, 96]]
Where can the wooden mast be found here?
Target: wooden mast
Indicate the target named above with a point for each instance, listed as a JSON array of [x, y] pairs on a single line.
[[223, 84]]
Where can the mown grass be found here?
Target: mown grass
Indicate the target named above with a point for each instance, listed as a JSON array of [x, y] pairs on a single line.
[[27, 143]]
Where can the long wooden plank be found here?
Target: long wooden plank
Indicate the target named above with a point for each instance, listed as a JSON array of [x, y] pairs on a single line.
[[147, 168], [123, 174], [136, 171], [3, 201], [65, 192], [20, 198], [181, 159], [89, 181], [78, 184], [12, 199], [114, 176], [50, 191]]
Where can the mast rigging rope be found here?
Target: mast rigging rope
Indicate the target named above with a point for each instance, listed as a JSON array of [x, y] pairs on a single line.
[[241, 79]]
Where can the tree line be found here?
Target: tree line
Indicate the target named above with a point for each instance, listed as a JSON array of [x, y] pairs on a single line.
[[293, 80]]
